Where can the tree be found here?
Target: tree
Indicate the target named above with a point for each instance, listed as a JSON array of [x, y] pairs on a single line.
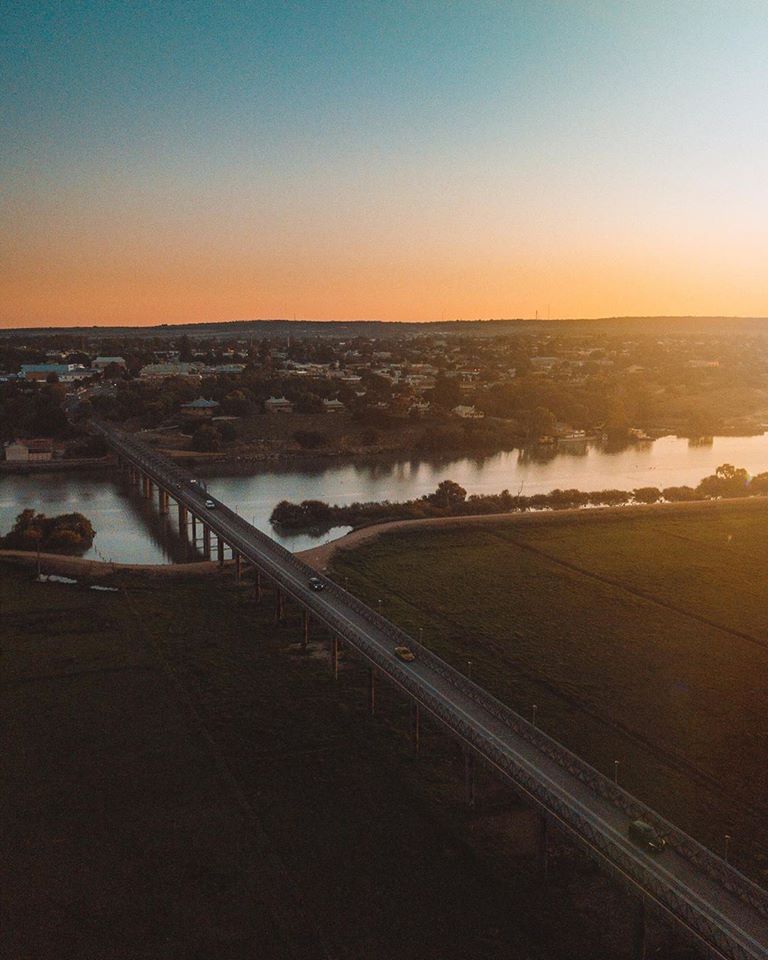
[[647, 494], [726, 481], [449, 494], [205, 439], [679, 494]]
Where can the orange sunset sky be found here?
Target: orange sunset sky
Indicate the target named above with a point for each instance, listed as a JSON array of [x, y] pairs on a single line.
[[401, 161]]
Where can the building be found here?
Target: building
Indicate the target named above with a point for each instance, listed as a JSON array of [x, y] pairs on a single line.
[[468, 413], [200, 409], [333, 406], [161, 371], [278, 405], [101, 363], [64, 372], [25, 451]]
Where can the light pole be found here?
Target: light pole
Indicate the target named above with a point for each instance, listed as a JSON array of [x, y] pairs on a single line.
[[469, 669], [421, 635], [727, 846], [535, 708], [616, 772]]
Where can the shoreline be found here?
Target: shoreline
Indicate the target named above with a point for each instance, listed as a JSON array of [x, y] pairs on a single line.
[[321, 556]]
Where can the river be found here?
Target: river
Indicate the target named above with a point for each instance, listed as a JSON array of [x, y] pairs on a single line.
[[129, 530]]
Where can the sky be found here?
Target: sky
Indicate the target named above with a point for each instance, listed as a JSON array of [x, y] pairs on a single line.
[[169, 162]]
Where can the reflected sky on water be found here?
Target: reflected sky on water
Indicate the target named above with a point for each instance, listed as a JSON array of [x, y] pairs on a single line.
[[129, 530]]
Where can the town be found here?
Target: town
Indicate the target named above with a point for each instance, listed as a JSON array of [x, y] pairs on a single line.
[[261, 397]]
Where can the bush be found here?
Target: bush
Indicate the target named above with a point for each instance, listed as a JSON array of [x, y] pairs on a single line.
[[309, 439]]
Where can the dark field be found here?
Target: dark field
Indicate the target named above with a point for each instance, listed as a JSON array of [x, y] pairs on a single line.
[[181, 782], [640, 637]]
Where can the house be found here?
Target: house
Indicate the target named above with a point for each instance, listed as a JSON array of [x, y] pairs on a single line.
[[64, 372], [278, 405], [159, 371], [333, 406], [468, 413], [25, 451], [200, 409], [101, 363]]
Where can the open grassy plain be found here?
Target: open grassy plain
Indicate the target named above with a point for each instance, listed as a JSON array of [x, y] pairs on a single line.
[[640, 636], [181, 781]]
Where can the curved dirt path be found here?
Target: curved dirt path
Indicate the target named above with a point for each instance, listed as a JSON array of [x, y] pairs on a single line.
[[320, 557]]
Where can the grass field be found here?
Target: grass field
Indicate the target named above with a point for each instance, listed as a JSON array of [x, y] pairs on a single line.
[[181, 782], [642, 638]]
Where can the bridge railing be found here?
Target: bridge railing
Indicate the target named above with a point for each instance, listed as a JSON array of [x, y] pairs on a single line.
[[703, 858]]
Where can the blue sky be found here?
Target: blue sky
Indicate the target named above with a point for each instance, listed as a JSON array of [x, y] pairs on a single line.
[[403, 160]]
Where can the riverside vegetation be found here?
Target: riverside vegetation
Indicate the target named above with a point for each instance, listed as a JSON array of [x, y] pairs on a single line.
[[67, 533], [450, 500]]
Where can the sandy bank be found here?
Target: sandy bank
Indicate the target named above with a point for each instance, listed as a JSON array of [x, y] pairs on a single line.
[[81, 568]]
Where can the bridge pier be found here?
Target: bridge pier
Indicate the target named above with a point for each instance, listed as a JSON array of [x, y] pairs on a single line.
[[163, 498], [305, 630], [335, 656], [220, 550], [543, 846], [206, 541], [279, 605], [470, 764], [238, 567], [194, 524], [640, 938], [258, 585], [416, 725], [372, 691]]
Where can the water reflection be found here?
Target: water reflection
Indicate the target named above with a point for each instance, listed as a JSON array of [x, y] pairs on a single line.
[[130, 530]]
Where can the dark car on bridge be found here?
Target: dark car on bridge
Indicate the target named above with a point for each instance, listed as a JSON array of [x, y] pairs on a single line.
[[315, 583], [646, 836]]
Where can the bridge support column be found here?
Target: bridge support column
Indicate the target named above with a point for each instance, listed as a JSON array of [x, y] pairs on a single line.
[[335, 656], [206, 541], [372, 691], [183, 521], [163, 496], [220, 550], [469, 776], [639, 944], [543, 846], [238, 567], [258, 585], [416, 725], [305, 631], [279, 604]]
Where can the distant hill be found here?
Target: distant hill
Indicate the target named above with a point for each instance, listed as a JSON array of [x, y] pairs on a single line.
[[241, 329]]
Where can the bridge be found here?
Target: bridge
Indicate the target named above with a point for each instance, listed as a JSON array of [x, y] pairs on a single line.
[[712, 902]]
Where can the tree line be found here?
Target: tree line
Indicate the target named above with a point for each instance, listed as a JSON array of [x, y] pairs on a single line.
[[450, 499]]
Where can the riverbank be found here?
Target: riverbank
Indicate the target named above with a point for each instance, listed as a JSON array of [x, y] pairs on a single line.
[[321, 557], [84, 569]]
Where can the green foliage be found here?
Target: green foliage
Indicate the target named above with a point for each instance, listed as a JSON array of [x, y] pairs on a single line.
[[67, 533], [206, 439], [309, 439], [726, 481]]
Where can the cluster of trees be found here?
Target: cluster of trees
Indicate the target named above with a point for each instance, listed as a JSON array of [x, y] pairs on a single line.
[[450, 499], [67, 533], [32, 410]]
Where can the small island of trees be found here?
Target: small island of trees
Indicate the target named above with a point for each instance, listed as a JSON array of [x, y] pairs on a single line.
[[67, 533]]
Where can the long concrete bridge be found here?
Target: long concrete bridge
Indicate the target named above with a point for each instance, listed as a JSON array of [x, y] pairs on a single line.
[[717, 906]]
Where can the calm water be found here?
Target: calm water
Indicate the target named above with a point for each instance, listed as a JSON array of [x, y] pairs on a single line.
[[130, 531]]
